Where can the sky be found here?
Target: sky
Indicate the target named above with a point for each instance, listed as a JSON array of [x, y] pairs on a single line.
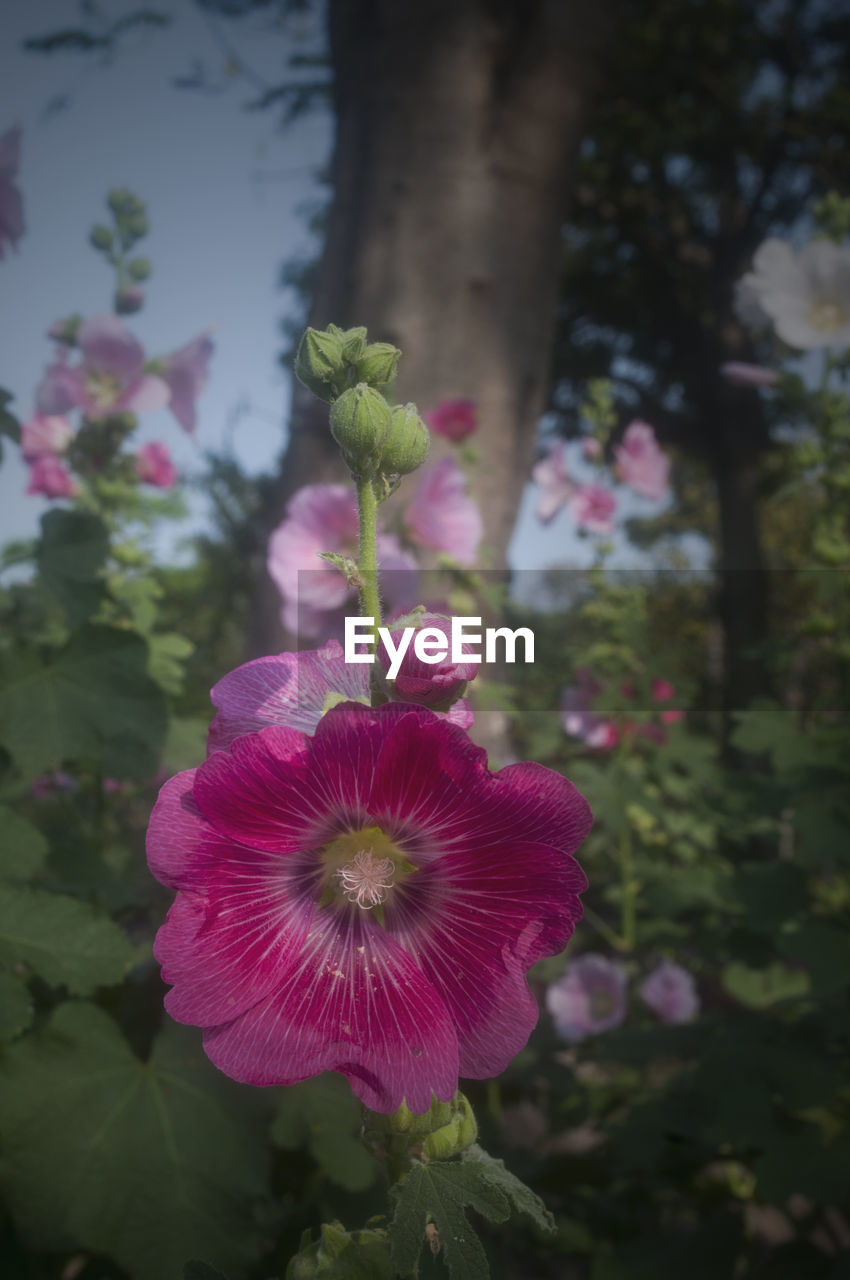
[[226, 190]]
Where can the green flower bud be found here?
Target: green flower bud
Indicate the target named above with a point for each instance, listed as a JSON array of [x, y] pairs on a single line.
[[454, 1137], [360, 422], [101, 238], [353, 342], [406, 447], [318, 363], [338, 1252], [378, 363], [119, 199], [137, 225], [139, 269]]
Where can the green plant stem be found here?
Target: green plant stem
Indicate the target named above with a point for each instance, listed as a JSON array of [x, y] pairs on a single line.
[[628, 925], [604, 930], [367, 563]]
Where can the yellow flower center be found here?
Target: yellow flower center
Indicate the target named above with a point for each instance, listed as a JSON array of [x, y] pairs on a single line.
[[361, 867], [104, 389], [827, 316]]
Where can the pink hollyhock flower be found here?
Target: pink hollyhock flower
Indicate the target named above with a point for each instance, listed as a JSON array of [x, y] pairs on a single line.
[[454, 419], [11, 204], [591, 448], [154, 465], [748, 375], [323, 517], [109, 378], [641, 464], [578, 718], [442, 515], [663, 691], [592, 506], [430, 684], [185, 372], [670, 992], [591, 997], [553, 478], [51, 478], [366, 901], [45, 434]]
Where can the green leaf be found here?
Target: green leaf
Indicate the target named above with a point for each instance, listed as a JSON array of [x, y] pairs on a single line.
[[15, 1006], [95, 702], [73, 548], [441, 1191], [148, 1162], [522, 1198], [324, 1116], [66, 942], [186, 744], [760, 988], [342, 1255], [23, 848], [168, 654]]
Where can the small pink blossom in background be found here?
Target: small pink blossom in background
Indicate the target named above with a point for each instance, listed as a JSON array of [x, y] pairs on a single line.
[[185, 372], [670, 992], [109, 377], [591, 448], [129, 299], [319, 518], [591, 997], [442, 515], [48, 783], [453, 419], [748, 375], [11, 204], [592, 506], [281, 846], [553, 478], [663, 691], [431, 684], [640, 462], [578, 718], [50, 478], [155, 466], [44, 434], [115, 788]]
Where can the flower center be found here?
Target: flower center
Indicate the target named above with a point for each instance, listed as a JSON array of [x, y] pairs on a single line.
[[827, 316], [601, 1004], [366, 879], [104, 388]]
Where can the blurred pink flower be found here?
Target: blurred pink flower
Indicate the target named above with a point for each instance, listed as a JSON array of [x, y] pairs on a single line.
[[11, 204], [591, 997], [553, 478], [454, 419], [154, 465], [662, 690], [109, 378], [185, 372], [641, 464], [579, 720], [442, 515], [129, 299], [591, 448], [592, 506], [44, 434], [431, 684], [46, 783], [748, 375], [50, 478], [670, 992], [319, 518]]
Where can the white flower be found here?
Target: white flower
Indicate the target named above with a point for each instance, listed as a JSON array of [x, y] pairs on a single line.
[[805, 295]]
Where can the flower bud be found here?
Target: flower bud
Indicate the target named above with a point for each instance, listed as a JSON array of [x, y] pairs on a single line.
[[129, 299], [360, 422], [319, 362], [101, 238], [378, 363], [407, 444], [119, 200], [139, 269], [353, 344], [454, 1137]]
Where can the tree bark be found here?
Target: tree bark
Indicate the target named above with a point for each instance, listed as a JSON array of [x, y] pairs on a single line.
[[457, 121]]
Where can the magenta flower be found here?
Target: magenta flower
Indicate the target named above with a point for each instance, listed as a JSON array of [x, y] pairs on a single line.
[[591, 997], [556, 486], [185, 372], [641, 464], [431, 684], [323, 517], [592, 506], [44, 434], [11, 204], [748, 375], [454, 419], [591, 448], [50, 478], [110, 377], [366, 901], [154, 465], [442, 515], [670, 992]]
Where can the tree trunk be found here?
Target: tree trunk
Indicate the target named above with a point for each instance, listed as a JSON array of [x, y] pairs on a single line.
[[457, 121]]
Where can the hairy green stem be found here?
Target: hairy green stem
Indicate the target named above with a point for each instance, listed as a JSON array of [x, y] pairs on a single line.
[[367, 564]]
